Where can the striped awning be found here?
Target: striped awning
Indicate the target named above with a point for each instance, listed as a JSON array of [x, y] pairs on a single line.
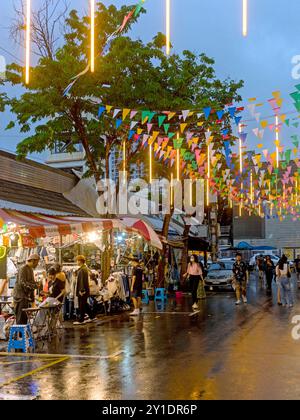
[[41, 226]]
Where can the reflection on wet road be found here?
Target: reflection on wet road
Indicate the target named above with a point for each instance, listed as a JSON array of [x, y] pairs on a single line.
[[222, 352]]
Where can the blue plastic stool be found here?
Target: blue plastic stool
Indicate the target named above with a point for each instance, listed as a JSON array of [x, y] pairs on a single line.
[[160, 294], [24, 342], [145, 297]]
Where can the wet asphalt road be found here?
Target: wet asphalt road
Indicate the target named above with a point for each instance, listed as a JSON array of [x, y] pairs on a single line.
[[223, 352]]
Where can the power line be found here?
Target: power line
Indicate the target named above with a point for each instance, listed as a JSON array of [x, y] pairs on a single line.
[[12, 55]]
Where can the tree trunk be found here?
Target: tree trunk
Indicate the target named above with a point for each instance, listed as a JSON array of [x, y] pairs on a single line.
[[162, 262], [185, 251]]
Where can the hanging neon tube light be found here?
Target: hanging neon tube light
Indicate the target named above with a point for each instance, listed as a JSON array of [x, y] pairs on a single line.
[[168, 26], [208, 176], [28, 35], [92, 36], [150, 164], [245, 18], [277, 140]]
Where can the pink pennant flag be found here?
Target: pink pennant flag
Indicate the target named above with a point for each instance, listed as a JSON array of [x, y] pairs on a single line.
[[149, 127], [133, 114], [160, 140]]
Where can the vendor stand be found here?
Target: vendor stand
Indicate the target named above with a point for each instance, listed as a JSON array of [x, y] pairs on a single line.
[[61, 239]]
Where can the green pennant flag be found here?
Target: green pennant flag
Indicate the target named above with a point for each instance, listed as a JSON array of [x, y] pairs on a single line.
[[171, 135], [288, 156], [177, 143], [296, 144], [287, 122], [166, 128], [283, 165], [145, 114], [161, 119], [151, 115], [182, 152], [297, 124]]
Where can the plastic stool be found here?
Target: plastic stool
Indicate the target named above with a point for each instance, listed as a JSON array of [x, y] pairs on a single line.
[[160, 294], [145, 297], [24, 342]]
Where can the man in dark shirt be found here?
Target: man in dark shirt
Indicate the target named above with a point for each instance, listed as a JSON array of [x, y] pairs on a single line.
[[82, 291], [240, 276], [137, 287], [24, 289], [297, 268]]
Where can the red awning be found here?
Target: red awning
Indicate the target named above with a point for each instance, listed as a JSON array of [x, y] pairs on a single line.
[[41, 226]]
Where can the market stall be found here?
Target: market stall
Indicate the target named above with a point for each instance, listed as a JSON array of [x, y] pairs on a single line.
[[61, 239]]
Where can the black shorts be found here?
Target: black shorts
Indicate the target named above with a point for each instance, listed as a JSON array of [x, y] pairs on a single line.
[[136, 293]]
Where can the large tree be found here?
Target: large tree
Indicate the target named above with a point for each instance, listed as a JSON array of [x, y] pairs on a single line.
[[133, 74]]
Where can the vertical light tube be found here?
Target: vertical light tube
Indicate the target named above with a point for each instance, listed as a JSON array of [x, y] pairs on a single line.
[[277, 140], [297, 190], [28, 34], [191, 193], [245, 18], [150, 164], [92, 36], [241, 167], [208, 176], [168, 26], [171, 189], [124, 156], [251, 187], [178, 164], [240, 150]]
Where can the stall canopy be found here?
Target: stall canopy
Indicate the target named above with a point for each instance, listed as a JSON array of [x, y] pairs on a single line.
[[40, 226]]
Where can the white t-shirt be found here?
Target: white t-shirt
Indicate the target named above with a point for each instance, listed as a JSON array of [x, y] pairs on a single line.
[[282, 273]]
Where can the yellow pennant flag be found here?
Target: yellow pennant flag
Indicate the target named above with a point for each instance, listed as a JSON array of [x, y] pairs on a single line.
[[277, 143], [171, 115], [140, 130], [125, 113], [195, 140], [264, 124], [283, 117], [108, 108], [151, 141], [260, 146], [200, 123], [155, 146], [183, 127], [155, 134]]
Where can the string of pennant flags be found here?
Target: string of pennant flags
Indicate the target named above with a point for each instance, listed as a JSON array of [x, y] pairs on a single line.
[[261, 188]]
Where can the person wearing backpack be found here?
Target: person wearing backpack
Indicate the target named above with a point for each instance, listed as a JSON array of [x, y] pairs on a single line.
[[283, 273]]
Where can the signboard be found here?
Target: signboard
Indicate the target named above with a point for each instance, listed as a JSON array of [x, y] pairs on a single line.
[[3, 262]]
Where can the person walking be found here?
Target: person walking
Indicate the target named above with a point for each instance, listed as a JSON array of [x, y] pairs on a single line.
[[269, 271], [195, 275], [297, 268], [261, 269], [284, 278], [137, 287], [240, 273], [24, 289], [82, 291]]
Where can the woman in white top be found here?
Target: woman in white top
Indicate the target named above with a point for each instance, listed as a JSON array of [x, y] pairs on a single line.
[[284, 278]]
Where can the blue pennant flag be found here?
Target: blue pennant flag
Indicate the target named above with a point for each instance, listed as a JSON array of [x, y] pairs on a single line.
[[207, 111], [131, 133], [118, 123], [101, 110], [232, 111], [238, 120], [220, 114]]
